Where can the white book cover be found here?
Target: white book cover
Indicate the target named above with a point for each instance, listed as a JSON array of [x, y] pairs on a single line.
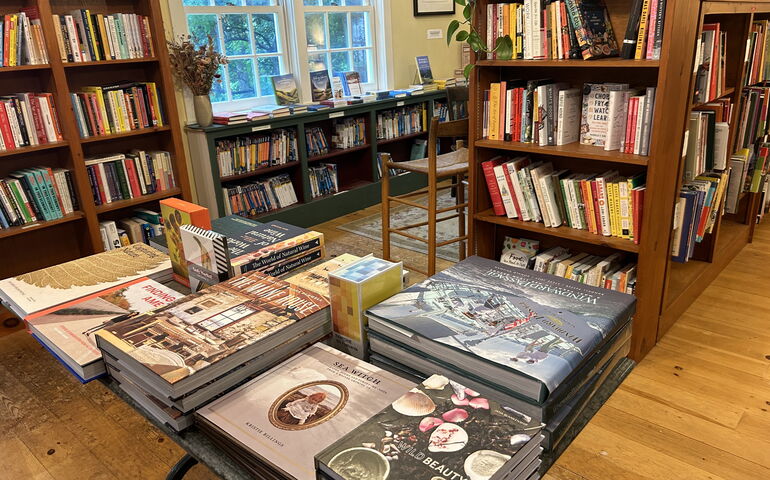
[[568, 119], [595, 112], [537, 173], [505, 191], [639, 123], [295, 410], [618, 115], [721, 138], [513, 167]]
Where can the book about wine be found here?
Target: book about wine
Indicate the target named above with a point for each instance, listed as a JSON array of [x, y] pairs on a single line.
[[175, 213], [287, 415], [285, 89], [321, 86]]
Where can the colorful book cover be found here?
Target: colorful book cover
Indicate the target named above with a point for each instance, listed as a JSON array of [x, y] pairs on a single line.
[[316, 279], [355, 288], [338, 86], [439, 430], [290, 413], [530, 323], [353, 82], [207, 255], [203, 328], [596, 112], [176, 213], [593, 28], [285, 88], [46, 288], [70, 326], [321, 86], [423, 69]]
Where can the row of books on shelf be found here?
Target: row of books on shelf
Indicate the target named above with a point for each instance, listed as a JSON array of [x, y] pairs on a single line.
[[603, 204], [248, 153], [142, 227], [88, 37], [259, 196], [696, 212], [564, 29], [710, 63], [754, 117], [402, 121], [349, 133], [609, 115], [613, 272], [117, 108], [323, 180], [22, 37], [36, 194], [757, 60], [28, 119], [315, 138], [707, 140], [122, 176]]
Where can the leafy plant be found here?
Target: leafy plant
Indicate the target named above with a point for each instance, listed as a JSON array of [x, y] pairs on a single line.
[[465, 31], [195, 66]]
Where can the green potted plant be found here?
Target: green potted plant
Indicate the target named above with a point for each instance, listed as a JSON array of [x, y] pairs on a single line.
[[196, 67], [465, 31]]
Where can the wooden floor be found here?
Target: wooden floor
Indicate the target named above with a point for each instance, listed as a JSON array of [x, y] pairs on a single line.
[[696, 408]]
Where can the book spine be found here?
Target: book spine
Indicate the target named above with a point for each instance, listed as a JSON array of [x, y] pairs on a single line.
[[642, 35], [494, 191], [258, 263]]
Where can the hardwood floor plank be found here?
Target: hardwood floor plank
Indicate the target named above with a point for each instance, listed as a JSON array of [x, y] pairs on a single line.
[[23, 463]]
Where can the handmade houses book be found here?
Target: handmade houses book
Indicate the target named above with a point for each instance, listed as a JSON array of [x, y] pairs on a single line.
[[509, 326], [288, 414], [35, 291]]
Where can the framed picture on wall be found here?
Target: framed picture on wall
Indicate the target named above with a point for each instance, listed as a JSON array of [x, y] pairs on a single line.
[[434, 7]]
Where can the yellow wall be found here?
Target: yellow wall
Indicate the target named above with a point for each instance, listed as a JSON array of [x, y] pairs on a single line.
[[409, 39]]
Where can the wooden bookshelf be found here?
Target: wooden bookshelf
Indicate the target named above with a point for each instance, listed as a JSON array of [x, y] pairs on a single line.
[[46, 243], [671, 76]]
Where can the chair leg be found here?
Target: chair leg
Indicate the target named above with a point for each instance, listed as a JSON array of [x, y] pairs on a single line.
[[462, 245], [385, 183], [432, 207]]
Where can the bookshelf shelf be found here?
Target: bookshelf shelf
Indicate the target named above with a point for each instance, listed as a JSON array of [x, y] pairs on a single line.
[[14, 231], [35, 148], [22, 68], [109, 207], [110, 62], [259, 171], [386, 141], [726, 93], [572, 150], [599, 63], [561, 232], [336, 152], [132, 133]]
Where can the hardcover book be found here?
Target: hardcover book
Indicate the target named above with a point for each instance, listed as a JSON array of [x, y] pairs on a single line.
[[68, 329], [438, 430], [316, 278], [423, 69], [42, 289], [355, 288], [285, 89], [353, 83], [595, 113], [176, 213], [524, 329], [321, 85], [202, 329], [593, 28], [207, 255], [288, 414]]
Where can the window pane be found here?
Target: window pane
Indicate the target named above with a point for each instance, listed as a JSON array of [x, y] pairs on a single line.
[[360, 27], [196, 3], [362, 62], [316, 31], [228, 3], [218, 93], [268, 66], [340, 62], [236, 31], [265, 33], [317, 62], [242, 82], [338, 30], [356, 3], [311, 3], [202, 25], [259, 3]]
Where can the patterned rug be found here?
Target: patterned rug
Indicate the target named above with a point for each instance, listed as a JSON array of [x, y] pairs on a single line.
[[371, 226]]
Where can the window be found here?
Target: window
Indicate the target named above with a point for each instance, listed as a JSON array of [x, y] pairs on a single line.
[[251, 33]]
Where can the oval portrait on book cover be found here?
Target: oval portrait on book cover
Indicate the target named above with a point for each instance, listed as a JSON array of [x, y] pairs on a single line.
[[308, 405]]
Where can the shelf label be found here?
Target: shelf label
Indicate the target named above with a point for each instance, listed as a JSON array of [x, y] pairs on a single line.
[[336, 114], [400, 104], [260, 128]]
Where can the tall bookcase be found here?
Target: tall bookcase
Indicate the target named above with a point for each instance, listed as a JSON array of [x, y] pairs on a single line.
[[43, 244], [663, 289]]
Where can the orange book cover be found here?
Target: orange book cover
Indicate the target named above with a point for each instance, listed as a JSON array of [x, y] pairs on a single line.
[[176, 213]]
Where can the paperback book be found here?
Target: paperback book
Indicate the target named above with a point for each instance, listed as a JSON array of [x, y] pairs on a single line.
[[285, 88], [321, 86], [316, 278], [176, 213]]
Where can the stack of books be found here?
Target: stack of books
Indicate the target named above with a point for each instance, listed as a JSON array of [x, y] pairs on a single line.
[[697, 209], [189, 352], [140, 228], [230, 118], [349, 133], [538, 345], [612, 116], [86, 37], [124, 176], [316, 142], [248, 153], [272, 111], [398, 122], [36, 194], [603, 204], [260, 196], [22, 39], [116, 108], [28, 119], [316, 278], [323, 180]]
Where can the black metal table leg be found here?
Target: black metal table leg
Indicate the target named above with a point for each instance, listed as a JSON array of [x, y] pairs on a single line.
[[181, 468]]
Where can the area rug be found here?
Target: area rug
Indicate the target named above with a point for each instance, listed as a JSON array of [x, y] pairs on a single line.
[[400, 215]]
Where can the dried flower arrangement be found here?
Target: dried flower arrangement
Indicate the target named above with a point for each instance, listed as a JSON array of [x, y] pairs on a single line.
[[195, 66]]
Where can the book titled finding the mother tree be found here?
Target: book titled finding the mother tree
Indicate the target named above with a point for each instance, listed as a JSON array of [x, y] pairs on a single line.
[[439, 430], [519, 328], [281, 419]]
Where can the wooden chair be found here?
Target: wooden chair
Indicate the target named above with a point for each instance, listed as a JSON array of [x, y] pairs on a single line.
[[436, 167]]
